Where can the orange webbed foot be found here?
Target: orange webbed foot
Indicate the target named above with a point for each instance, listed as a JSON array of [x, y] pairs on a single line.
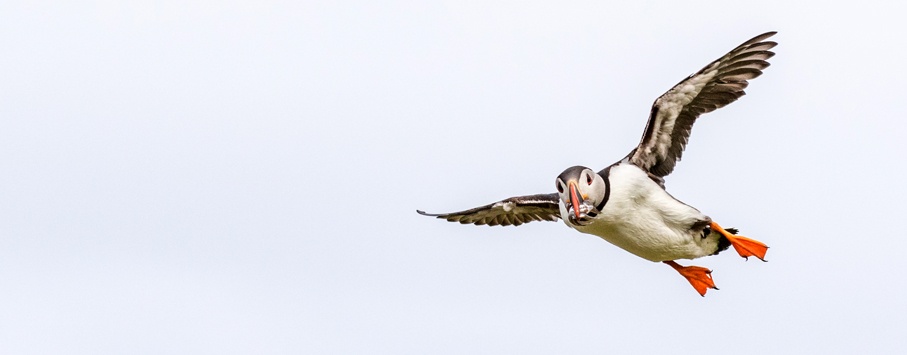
[[744, 246], [699, 277]]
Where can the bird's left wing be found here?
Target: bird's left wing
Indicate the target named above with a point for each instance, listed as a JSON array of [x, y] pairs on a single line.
[[512, 211], [718, 84]]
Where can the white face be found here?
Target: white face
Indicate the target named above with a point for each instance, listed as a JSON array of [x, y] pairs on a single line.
[[580, 191]]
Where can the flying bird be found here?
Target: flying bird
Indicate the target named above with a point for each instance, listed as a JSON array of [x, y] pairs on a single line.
[[626, 203]]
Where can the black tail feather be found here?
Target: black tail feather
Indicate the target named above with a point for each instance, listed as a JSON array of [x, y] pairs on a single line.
[[724, 243]]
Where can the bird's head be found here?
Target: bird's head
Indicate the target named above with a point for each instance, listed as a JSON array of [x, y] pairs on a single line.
[[583, 193]]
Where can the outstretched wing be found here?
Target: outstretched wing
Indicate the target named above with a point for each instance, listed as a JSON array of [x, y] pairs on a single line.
[[718, 84], [512, 211]]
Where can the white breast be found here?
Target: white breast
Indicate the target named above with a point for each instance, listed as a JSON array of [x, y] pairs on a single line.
[[642, 218]]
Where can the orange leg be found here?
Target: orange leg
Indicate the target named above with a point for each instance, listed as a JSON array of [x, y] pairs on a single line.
[[744, 246], [699, 277]]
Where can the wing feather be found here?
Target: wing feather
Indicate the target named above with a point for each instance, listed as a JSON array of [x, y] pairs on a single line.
[[715, 86], [512, 211]]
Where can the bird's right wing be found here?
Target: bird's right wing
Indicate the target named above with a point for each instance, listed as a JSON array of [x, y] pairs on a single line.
[[512, 211]]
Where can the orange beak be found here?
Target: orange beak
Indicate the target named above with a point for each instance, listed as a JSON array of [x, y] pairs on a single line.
[[574, 198]]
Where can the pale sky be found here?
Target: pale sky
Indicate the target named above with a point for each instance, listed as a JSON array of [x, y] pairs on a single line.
[[242, 177]]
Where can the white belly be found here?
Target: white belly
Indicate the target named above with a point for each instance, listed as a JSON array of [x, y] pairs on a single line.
[[642, 218]]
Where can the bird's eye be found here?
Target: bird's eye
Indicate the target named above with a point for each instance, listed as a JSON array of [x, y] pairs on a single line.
[[560, 188], [589, 179]]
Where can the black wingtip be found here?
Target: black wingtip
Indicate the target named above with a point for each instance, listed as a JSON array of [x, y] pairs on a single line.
[[762, 37], [429, 214]]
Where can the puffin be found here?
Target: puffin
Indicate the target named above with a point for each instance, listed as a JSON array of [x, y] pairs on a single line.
[[626, 203]]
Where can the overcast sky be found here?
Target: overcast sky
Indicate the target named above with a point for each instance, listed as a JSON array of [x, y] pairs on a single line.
[[242, 177]]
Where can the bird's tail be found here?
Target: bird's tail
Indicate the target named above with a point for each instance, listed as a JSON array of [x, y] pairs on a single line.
[[723, 242]]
